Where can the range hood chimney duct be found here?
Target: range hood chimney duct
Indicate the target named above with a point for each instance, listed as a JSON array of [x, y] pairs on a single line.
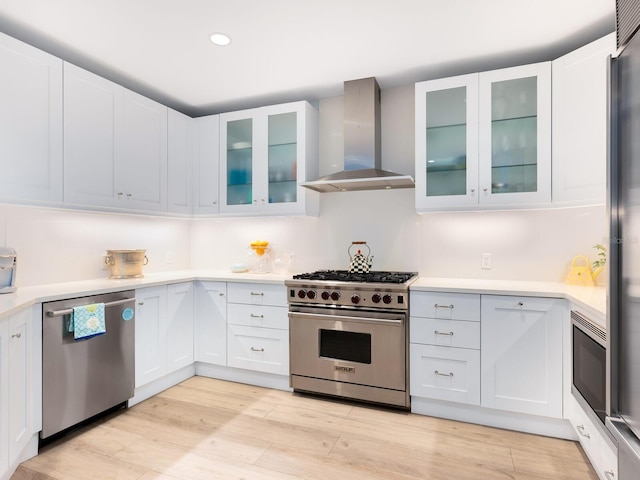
[[362, 145]]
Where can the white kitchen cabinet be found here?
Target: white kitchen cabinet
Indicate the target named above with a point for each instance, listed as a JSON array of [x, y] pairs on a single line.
[[207, 161], [4, 395], [151, 334], [164, 330], [444, 373], [180, 328], [484, 140], [258, 327], [521, 354], [580, 117], [115, 145], [264, 155], [444, 336], [21, 370], [141, 169], [30, 123], [92, 124], [211, 323], [180, 153]]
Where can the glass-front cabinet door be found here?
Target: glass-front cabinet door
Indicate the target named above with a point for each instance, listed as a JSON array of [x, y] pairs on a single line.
[[484, 139], [264, 154], [446, 142], [515, 135]]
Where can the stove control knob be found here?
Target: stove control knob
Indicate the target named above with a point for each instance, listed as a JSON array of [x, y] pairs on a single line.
[[335, 296], [311, 294], [376, 298], [302, 293], [325, 295], [355, 298], [387, 299]]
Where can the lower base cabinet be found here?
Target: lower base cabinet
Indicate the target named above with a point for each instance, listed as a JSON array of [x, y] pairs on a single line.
[[17, 386], [211, 323], [164, 330], [515, 365], [445, 373], [521, 354], [259, 349]]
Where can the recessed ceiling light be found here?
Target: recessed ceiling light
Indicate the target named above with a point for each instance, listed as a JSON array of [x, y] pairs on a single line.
[[220, 39]]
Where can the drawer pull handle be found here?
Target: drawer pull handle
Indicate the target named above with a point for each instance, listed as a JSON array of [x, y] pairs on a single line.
[[610, 474], [450, 374], [253, 349], [16, 335], [443, 306], [520, 304], [581, 431], [260, 294], [257, 316], [450, 334]]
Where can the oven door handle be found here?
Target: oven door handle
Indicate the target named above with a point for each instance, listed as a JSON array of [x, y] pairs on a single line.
[[319, 316]]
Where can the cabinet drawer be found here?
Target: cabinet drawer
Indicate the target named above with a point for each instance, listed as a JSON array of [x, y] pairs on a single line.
[[444, 373], [446, 333], [257, 294], [258, 316], [259, 349], [452, 306]]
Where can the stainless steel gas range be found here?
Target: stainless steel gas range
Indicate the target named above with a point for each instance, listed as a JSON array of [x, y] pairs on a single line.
[[348, 335]]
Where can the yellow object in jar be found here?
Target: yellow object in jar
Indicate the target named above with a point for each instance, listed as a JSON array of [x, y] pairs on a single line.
[[259, 246]]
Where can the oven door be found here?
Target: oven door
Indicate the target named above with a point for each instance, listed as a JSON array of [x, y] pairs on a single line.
[[351, 346], [589, 367]]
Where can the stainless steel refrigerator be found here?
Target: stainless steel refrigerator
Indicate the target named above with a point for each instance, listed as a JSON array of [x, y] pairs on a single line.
[[623, 346]]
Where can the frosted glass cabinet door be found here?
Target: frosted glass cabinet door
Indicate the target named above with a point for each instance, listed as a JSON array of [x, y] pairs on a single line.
[[515, 135], [446, 142], [282, 157]]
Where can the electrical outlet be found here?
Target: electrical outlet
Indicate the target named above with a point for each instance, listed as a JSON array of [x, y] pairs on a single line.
[[485, 262], [169, 258]]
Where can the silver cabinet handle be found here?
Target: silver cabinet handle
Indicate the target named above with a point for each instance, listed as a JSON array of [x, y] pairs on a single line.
[[257, 349], [120, 194], [129, 195], [582, 432], [16, 335], [609, 474], [214, 202], [450, 334], [473, 190], [485, 189], [256, 316], [520, 304], [141, 303], [221, 294], [443, 306], [450, 374], [260, 294]]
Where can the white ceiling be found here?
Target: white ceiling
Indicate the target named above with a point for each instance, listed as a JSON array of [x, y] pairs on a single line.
[[285, 50]]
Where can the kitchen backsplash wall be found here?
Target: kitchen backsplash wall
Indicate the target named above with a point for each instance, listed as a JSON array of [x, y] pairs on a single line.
[[524, 244], [60, 246]]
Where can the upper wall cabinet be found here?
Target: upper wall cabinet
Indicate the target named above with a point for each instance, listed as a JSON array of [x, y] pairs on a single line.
[[484, 140], [180, 153], [115, 145], [207, 161], [30, 123], [580, 124], [264, 154]]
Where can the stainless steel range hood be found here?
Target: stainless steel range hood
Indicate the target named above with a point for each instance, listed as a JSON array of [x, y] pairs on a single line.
[[361, 145]]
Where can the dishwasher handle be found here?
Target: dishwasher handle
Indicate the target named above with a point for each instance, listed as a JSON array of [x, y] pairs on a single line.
[[69, 311]]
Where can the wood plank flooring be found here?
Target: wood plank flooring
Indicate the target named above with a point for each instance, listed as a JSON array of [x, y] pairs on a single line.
[[212, 429]]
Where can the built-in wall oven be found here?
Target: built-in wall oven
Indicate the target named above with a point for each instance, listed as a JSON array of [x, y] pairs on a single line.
[[349, 335], [589, 377]]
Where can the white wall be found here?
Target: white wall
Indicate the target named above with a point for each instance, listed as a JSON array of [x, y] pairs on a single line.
[[60, 245]]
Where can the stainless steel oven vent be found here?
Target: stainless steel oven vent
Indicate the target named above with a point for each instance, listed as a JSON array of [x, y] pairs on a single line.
[[589, 325]]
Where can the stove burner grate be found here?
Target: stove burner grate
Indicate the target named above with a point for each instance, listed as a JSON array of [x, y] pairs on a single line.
[[346, 276]]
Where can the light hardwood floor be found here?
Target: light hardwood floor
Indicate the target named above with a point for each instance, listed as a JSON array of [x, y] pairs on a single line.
[[212, 429]]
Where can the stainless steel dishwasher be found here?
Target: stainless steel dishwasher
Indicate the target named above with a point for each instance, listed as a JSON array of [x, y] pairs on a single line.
[[85, 377]]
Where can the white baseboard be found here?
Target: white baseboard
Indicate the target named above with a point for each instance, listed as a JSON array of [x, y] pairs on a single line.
[[157, 386], [260, 379], [550, 427]]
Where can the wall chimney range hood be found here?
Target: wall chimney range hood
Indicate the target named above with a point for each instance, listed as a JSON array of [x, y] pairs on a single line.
[[361, 145]]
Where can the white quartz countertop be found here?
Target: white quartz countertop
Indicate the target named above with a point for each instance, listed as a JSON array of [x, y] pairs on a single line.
[[26, 296], [590, 299]]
